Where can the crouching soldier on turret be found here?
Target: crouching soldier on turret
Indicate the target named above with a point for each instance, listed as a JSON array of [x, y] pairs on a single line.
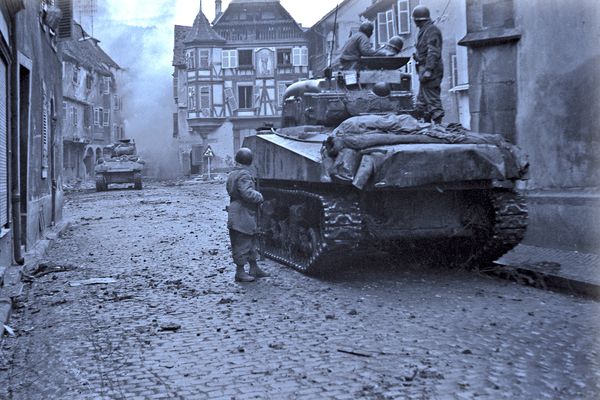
[[242, 217]]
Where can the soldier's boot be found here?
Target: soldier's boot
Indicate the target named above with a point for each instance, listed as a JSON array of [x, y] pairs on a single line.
[[437, 121], [241, 275], [256, 272]]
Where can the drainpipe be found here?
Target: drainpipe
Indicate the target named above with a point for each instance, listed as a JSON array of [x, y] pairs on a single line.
[[14, 147]]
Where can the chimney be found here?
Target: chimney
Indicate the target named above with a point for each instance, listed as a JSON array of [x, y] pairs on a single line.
[[218, 11]]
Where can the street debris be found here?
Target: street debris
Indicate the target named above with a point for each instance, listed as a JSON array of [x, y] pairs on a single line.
[[9, 330], [354, 353], [169, 327], [276, 346], [225, 300], [92, 281], [46, 268]]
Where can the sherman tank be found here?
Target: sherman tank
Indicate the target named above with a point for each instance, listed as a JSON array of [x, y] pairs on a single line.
[[353, 169], [119, 164]]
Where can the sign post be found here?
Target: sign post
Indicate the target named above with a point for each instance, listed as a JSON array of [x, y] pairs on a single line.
[[209, 154]]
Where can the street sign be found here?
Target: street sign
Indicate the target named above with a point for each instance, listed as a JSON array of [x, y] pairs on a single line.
[[209, 152]]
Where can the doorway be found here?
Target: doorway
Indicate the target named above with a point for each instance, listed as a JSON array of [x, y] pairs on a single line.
[[24, 100]]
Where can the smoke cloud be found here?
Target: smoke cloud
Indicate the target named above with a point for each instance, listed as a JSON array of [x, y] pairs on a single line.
[[140, 39]]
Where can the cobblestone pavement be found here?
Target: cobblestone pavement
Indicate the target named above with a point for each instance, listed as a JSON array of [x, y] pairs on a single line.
[[377, 331]]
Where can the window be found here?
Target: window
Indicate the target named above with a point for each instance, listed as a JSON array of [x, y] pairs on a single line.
[[116, 102], [96, 116], [245, 58], [204, 59], [65, 110], [192, 98], [403, 17], [190, 59], [454, 70], [106, 82], [300, 57], [89, 81], [281, 88], [385, 26], [74, 116], [245, 96], [87, 116], [284, 57], [204, 97], [230, 58], [75, 76], [106, 118]]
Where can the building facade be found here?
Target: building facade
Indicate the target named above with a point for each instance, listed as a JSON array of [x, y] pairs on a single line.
[[534, 71], [30, 124], [91, 107], [230, 78]]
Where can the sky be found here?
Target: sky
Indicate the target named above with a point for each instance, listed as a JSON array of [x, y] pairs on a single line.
[[138, 35]]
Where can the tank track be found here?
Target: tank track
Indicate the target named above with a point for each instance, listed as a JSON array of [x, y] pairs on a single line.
[[510, 224], [339, 228]]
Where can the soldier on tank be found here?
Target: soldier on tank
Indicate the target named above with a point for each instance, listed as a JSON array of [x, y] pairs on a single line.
[[242, 217], [391, 48], [429, 66], [357, 46]]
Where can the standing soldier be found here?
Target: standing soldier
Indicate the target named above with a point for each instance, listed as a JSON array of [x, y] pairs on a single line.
[[242, 215], [429, 66]]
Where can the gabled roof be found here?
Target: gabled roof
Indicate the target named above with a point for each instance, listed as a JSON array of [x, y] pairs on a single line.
[[330, 13], [84, 50], [202, 33], [181, 33]]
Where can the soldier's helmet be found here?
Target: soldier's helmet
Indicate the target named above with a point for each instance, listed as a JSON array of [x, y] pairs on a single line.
[[366, 28], [396, 42], [244, 156], [420, 13]]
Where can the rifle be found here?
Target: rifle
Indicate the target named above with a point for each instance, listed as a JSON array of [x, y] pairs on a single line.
[[261, 233]]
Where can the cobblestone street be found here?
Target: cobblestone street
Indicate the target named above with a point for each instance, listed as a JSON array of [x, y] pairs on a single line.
[[173, 324]]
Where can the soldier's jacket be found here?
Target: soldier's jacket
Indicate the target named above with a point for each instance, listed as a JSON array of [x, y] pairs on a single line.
[[244, 201], [357, 46], [429, 50]]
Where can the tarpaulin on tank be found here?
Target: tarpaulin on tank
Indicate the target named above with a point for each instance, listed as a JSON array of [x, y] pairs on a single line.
[[398, 151]]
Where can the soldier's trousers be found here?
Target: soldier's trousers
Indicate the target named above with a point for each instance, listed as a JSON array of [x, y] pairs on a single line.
[[429, 103], [244, 247]]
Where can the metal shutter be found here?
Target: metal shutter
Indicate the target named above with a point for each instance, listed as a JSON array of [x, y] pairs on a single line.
[[3, 147]]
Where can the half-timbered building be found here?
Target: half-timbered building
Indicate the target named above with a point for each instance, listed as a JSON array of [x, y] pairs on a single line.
[[230, 77]]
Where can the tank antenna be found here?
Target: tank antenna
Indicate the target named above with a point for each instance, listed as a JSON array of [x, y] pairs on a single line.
[[334, 35]]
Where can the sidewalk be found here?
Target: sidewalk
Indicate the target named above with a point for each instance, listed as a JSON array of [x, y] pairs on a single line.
[[10, 277], [570, 271]]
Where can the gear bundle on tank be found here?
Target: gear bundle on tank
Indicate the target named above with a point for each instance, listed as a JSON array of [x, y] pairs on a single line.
[[352, 169]]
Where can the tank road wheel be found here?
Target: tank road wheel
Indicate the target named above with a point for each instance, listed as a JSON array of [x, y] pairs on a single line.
[[308, 231], [101, 185], [137, 181]]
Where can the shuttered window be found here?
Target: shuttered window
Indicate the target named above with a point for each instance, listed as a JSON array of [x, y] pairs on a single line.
[[3, 147], [45, 132]]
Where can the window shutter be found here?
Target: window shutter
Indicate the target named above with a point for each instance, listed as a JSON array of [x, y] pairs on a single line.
[[45, 127], [65, 25], [3, 147]]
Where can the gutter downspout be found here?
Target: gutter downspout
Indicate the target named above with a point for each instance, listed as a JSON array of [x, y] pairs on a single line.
[[14, 147]]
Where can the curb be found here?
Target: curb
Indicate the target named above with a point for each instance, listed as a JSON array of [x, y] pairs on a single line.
[[12, 285], [531, 276]]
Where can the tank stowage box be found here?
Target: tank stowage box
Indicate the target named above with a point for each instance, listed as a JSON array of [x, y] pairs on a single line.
[[351, 168], [119, 164]]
